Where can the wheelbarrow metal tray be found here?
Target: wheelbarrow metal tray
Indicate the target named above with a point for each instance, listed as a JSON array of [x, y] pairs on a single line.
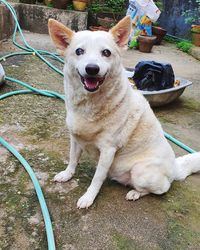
[[163, 97]]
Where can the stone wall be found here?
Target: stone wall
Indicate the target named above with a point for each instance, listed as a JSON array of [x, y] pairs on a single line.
[[172, 19], [6, 22], [35, 18]]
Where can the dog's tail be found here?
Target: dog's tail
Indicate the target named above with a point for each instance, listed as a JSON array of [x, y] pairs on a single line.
[[187, 165]]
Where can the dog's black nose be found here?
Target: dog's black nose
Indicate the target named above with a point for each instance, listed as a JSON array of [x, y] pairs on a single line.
[[92, 69]]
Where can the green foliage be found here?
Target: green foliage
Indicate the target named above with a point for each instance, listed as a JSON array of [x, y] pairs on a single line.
[[156, 23], [50, 5], [192, 16], [184, 46], [116, 5], [170, 39], [159, 4], [134, 44], [70, 7], [113, 6]]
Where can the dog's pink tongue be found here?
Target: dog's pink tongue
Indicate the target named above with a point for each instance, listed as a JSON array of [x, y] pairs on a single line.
[[91, 83]]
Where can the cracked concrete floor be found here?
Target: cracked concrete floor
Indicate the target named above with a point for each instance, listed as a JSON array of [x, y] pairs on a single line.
[[35, 125]]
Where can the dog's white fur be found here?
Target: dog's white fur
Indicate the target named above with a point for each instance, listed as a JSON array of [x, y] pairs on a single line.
[[115, 123]]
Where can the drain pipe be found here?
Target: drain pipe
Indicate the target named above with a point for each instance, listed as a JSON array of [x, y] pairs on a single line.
[[178, 39]]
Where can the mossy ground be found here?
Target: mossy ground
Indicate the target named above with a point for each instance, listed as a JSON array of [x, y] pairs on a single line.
[[36, 127]]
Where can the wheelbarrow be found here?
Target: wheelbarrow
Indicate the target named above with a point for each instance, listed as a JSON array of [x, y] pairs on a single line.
[[163, 97]]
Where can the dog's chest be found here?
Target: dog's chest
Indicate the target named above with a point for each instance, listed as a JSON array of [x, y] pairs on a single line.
[[83, 130]]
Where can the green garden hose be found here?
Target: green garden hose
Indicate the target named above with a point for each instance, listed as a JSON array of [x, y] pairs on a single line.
[[28, 50], [45, 212], [28, 47], [179, 143], [39, 91]]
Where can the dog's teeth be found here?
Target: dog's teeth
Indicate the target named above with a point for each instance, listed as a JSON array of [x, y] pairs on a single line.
[[90, 85]]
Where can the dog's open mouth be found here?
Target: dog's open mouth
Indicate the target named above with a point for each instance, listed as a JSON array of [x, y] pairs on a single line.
[[92, 83]]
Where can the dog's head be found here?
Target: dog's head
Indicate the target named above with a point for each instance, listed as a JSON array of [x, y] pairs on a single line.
[[91, 56]]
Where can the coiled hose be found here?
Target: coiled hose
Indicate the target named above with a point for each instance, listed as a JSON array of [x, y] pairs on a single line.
[[28, 50]]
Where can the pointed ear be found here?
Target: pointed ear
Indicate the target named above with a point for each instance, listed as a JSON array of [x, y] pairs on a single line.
[[121, 31], [60, 34]]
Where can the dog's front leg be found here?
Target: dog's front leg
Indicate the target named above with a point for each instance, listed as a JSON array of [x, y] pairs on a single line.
[[105, 161], [75, 153]]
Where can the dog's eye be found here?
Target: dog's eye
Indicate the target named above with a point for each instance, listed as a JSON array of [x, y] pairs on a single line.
[[106, 52], [79, 51]]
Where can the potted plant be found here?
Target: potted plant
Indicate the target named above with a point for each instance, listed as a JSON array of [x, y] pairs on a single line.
[[106, 14], [106, 22], [193, 17], [80, 5], [196, 35]]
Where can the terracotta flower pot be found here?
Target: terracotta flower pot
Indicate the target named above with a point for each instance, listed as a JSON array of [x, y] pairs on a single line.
[[106, 22], [196, 39], [79, 5], [146, 43], [196, 35], [60, 4], [96, 28], [159, 33]]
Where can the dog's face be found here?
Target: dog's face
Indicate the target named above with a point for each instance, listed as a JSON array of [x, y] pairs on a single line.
[[90, 56]]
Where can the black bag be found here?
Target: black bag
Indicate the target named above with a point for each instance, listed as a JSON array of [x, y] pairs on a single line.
[[150, 76]]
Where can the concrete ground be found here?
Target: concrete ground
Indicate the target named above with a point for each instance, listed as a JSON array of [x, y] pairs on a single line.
[[35, 125]]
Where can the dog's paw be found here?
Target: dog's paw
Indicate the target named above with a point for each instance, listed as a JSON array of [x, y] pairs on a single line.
[[133, 195], [85, 201], [63, 176]]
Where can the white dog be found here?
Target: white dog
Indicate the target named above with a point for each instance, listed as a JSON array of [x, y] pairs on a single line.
[[107, 117]]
